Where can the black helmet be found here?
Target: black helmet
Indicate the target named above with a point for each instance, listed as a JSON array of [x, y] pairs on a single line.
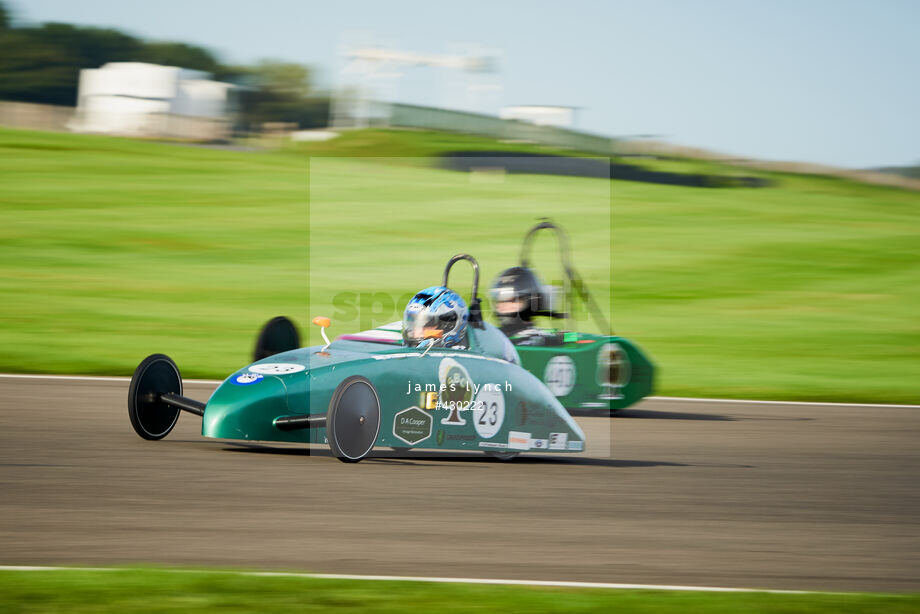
[[516, 296]]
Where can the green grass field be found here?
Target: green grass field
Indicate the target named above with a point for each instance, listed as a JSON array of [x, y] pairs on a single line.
[[157, 590], [113, 249]]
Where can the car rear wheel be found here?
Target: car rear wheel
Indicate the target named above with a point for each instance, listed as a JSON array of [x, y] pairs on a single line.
[[151, 417], [278, 335], [353, 419]]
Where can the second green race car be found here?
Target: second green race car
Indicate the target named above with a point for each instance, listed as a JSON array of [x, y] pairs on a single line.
[[583, 370]]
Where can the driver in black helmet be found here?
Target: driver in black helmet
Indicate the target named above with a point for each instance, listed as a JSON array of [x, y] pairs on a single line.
[[516, 298]]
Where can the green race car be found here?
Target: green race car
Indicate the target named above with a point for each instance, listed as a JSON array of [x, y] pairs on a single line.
[[369, 390], [582, 370]]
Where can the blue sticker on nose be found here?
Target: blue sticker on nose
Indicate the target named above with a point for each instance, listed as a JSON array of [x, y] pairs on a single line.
[[247, 379]]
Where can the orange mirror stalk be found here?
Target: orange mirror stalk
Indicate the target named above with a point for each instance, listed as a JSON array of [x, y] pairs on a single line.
[[323, 323]]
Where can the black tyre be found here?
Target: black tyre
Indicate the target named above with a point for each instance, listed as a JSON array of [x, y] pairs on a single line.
[[278, 335], [353, 419], [502, 456], [152, 418]]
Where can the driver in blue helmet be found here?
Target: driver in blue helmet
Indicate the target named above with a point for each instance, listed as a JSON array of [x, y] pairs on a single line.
[[435, 316]]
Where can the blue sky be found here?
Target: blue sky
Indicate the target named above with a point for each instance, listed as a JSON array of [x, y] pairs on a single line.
[[833, 82]]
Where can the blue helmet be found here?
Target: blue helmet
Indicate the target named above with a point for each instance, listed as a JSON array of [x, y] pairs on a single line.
[[436, 313]]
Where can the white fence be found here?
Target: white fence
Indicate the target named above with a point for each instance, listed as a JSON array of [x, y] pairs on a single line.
[[30, 116], [432, 118]]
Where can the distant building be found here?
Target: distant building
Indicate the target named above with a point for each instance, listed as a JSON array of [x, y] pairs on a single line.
[[149, 100], [541, 115]]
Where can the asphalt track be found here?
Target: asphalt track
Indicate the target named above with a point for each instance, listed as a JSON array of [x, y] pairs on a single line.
[[762, 495]]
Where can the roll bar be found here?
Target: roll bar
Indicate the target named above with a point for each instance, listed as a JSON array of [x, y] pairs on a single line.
[[475, 303], [563, 245], [576, 285]]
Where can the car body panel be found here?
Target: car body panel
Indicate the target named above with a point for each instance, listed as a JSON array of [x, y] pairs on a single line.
[[453, 399], [591, 371]]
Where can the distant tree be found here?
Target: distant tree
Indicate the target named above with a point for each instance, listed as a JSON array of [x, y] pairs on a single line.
[[911, 171], [90, 47], [42, 64], [275, 91], [283, 78], [32, 70], [180, 54]]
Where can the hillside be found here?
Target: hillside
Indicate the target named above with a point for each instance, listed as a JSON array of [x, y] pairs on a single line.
[[113, 249]]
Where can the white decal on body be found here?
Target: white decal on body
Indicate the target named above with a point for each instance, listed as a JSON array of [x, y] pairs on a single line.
[[457, 390], [559, 375], [489, 411], [613, 371], [518, 440], [557, 441], [276, 368]]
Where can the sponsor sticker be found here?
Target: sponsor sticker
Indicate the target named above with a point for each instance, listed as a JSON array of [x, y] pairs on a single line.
[[557, 441], [539, 444], [247, 379], [559, 375], [412, 425], [493, 444], [613, 370], [457, 390], [518, 440], [577, 446], [276, 368]]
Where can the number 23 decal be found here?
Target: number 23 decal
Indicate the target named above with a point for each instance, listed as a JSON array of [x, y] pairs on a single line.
[[489, 411], [492, 413]]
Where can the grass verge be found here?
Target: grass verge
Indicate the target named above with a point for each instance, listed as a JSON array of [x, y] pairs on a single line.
[[157, 590]]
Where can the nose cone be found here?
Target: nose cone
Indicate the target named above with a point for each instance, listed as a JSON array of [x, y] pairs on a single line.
[[244, 406]]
